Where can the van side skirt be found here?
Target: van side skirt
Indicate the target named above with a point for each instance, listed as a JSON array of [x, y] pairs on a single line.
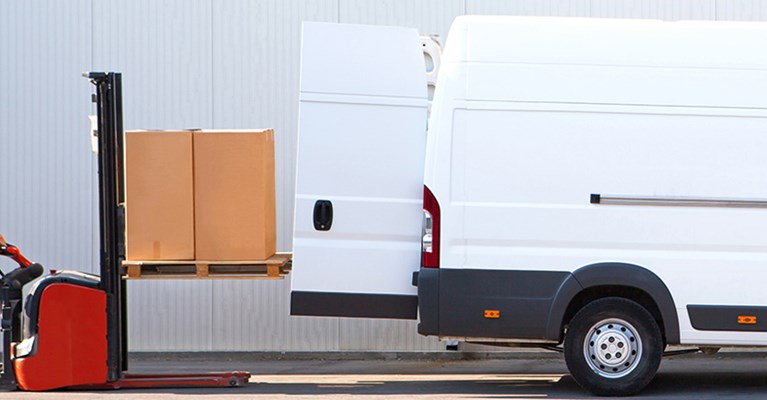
[[530, 304], [728, 318], [462, 302]]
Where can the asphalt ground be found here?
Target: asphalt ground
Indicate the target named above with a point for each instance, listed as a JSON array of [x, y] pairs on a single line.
[[738, 375]]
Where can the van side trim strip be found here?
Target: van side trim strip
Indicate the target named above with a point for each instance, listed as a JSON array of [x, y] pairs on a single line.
[[617, 200], [359, 305], [725, 318]]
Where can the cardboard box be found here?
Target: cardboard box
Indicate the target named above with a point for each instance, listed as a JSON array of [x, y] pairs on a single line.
[[159, 195], [234, 195]]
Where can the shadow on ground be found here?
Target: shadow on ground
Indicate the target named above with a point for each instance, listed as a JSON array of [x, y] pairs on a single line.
[[666, 385]]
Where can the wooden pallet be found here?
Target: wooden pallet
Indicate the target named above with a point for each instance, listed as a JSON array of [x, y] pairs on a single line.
[[276, 267]]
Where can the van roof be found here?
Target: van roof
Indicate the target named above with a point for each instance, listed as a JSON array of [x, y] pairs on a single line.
[[608, 42]]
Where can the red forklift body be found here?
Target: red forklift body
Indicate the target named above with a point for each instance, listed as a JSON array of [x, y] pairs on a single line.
[[68, 340]]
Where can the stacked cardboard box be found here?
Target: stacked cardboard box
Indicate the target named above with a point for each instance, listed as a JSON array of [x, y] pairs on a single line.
[[159, 195], [234, 195], [205, 195]]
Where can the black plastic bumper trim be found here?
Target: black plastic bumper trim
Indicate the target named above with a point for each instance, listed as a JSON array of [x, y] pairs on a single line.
[[453, 302], [355, 305], [725, 318]]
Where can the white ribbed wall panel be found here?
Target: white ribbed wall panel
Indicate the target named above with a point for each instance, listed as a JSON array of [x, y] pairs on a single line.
[[655, 9], [203, 64], [741, 10], [47, 183], [163, 50], [429, 16], [559, 8], [170, 315]]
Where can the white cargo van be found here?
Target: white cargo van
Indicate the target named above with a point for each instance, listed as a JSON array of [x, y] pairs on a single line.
[[600, 184]]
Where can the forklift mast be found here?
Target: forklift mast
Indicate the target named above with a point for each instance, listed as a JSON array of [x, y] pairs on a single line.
[[63, 344], [108, 99]]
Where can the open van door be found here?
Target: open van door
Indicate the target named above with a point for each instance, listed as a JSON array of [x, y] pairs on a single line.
[[359, 185]]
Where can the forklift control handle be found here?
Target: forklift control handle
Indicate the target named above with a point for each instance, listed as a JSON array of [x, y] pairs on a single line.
[[19, 277], [15, 254]]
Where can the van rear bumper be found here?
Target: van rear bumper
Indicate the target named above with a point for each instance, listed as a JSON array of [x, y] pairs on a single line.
[[427, 280], [463, 303]]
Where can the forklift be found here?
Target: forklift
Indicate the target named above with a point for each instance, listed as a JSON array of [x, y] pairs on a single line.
[[73, 331]]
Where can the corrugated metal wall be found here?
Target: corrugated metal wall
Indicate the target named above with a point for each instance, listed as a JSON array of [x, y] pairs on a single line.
[[203, 64]]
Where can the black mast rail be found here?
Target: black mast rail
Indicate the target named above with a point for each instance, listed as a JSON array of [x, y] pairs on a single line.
[[111, 214]]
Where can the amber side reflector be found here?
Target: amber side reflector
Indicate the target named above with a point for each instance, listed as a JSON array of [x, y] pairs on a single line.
[[747, 319], [492, 313]]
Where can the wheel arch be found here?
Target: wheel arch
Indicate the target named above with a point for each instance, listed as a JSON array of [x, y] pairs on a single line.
[[619, 280]]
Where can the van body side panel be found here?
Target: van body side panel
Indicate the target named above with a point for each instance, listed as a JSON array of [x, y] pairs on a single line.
[[553, 113], [531, 168]]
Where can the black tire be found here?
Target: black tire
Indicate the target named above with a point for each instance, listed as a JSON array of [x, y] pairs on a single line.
[[613, 347]]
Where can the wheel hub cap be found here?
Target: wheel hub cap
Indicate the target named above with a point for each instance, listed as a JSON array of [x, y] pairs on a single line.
[[612, 348]]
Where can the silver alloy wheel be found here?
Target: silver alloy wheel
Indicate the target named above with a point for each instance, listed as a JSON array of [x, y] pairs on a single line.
[[612, 348]]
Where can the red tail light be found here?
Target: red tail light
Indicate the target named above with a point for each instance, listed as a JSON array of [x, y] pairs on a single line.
[[430, 237]]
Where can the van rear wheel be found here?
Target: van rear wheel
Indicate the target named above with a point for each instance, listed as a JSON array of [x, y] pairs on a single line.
[[613, 347]]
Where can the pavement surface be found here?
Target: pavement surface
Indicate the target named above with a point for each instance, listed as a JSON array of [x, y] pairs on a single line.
[[518, 376]]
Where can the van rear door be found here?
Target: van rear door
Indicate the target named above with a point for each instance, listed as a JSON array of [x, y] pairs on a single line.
[[359, 184]]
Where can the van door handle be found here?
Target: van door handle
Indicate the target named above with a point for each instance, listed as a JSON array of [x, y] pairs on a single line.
[[323, 215]]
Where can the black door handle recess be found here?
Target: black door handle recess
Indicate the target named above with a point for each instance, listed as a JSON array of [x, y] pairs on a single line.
[[323, 215]]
